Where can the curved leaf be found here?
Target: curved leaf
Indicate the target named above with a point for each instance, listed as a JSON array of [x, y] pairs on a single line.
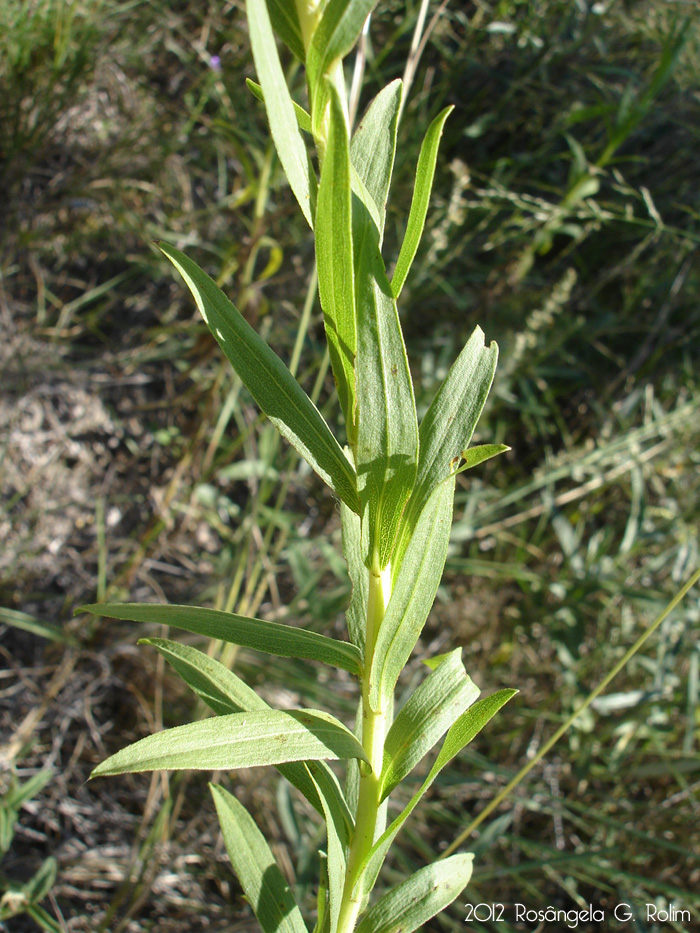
[[239, 740], [285, 22], [254, 864], [269, 381], [270, 637], [411, 903]]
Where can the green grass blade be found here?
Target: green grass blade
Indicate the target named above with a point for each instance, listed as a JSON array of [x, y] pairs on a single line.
[[334, 261], [428, 713], [278, 103], [254, 864], [240, 740], [225, 692], [373, 146], [269, 381], [270, 637], [414, 591], [425, 172], [387, 448], [413, 902]]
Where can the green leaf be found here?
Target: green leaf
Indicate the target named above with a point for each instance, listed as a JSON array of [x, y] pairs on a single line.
[[356, 614], [334, 261], [449, 423], [255, 866], [414, 590], [270, 637], [278, 103], [429, 712], [239, 740], [39, 885], [387, 445], [473, 456], [303, 118], [225, 692], [338, 842], [373, 146], [269, 381], [285, 22], [425, 172], [19, 794], [337, 32], [410, 904], [460, 735]]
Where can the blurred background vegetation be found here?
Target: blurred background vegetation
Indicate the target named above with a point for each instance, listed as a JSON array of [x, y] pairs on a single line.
[[134, 466]]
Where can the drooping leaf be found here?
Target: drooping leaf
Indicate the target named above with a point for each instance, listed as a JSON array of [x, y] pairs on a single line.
[[414, 591], [428, 713], [225, 692], [334, 261], [387, 446], [254, 864], [410, 904], [239, 740], [460, 735], [337, 32], [425, 172], [285, 22], [269, 381], [270, 637], [278, 103], [303, 118], [373, 146], [356, 615]]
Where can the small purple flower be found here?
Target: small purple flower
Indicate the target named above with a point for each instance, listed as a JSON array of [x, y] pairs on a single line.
[[215, 63]]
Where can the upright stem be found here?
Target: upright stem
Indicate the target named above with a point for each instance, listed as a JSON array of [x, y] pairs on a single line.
[[374, 725]]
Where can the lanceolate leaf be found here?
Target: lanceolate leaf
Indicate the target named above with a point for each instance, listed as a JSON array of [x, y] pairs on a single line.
[[373, 146], [225, 692], [254, 864], [278, 103], [285, 22], [473, 456], [356, 615], [335, 35], [239, 740], [414, 590], [387, 447], [303, 118], [338, 840], [409, 905], [269, 381], [334, 261], [460, 735], [270, 637], [425, 172], [428, 713]]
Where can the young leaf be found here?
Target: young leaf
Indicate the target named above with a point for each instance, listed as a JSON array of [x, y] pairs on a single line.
[[285, 22], [428, 713], [254, 864], [334, 261], [336, 34], [225, 692], [270, 637], [278, 103], [269, 381], [303, 118], [338, 841], [387, 446], [410, 904], [473, 456], [461, 733], [414, 591], [425, 172], [356, 615], [373, 146], [239, 740]]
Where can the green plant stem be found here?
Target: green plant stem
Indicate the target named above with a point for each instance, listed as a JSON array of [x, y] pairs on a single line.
[[609, 677], [374, 725]]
